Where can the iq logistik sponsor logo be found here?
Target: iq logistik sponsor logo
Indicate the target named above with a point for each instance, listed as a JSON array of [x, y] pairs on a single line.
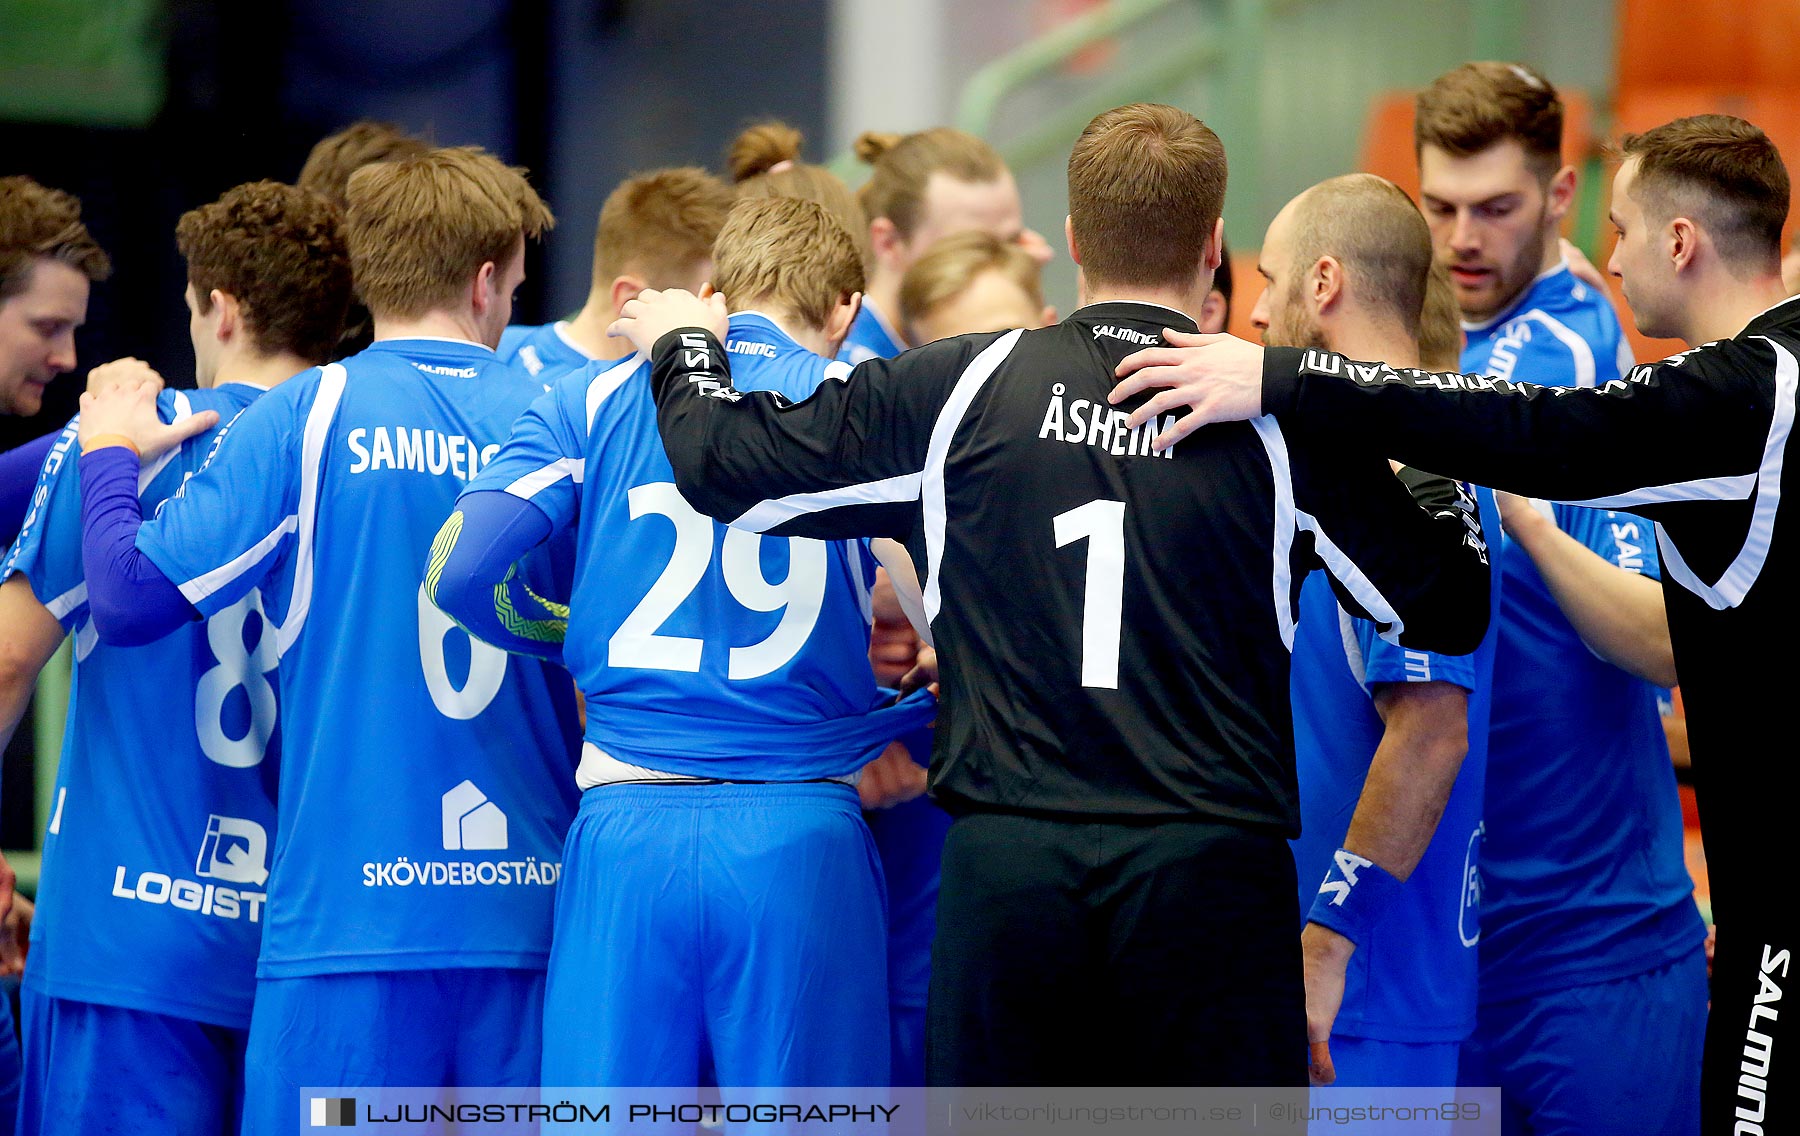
[[233, 850], [471, 823]]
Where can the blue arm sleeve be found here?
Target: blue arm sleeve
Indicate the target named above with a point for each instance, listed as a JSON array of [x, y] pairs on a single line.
[[18, 477], [130, 599], [472, 575]]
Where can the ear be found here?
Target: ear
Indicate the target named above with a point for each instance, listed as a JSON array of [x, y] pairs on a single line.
[[889, 245], [1561, 195], [485, 287], [1069, 239], [1047, 316], [837, 324], [1326, 283], [1683, 242], [1215, 248], [230, 317], [625, 288]]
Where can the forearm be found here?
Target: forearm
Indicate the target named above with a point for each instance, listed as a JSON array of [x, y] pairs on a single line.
[[472, 575], [1411, 776], [845, 463], [1554, 443], [130, 600], [1618, 613]]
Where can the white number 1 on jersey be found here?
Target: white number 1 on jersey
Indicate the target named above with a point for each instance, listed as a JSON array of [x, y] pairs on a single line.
[[1102, 523]]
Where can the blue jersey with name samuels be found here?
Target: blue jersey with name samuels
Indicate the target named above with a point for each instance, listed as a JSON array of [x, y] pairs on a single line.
[[154, 885], [1412, 979], [425, 788], [544, 351], [1584, 874], [702, 650], [872, 336]]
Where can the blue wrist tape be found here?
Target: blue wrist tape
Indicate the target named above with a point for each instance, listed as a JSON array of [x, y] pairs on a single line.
[[1355, 894]]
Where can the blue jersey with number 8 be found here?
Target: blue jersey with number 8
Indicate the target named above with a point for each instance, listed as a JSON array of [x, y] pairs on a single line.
[[154, 883]]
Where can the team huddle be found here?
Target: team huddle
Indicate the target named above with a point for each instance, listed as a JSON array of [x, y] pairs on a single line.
[[458, 702]]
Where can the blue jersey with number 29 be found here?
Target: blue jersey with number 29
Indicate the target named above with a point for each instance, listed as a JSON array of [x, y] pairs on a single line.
[[702, 650]]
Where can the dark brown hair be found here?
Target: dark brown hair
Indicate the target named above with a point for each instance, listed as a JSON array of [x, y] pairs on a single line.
[[1468, 109], [279, 250], [38, 223], [1146, 186], [1723, 171]]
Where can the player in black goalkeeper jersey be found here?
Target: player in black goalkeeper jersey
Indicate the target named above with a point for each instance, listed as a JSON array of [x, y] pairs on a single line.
[[1699, 204], [1113, 625]]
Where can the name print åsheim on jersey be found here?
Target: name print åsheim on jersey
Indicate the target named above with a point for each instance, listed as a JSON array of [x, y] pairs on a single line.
[[1082, 422], [418, 450]]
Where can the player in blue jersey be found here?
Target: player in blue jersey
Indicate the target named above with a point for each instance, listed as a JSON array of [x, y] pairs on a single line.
[[153, 888], [721, 882], [1369, 716], [921, 187], [656, 230], [1593, 976], [425, 785], [47, 261]]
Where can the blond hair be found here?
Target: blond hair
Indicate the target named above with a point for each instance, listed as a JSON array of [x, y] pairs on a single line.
[[954, 262], [660, 225], [1146, 186], [764, 161], [900, 169], [1440, 323], [788, 253], [420, 228]]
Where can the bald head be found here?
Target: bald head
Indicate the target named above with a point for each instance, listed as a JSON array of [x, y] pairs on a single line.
[[1370, 227]]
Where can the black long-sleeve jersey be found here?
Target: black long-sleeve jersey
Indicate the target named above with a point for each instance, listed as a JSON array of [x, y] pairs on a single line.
[[1696, 443], [1113, 626]]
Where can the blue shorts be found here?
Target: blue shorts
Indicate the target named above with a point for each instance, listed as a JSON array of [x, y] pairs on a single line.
[[744, 922], [1615, 1058], [92, 1069], [478, 1026], [910, 839]]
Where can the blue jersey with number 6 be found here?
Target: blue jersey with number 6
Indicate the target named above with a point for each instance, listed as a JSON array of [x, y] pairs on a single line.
[[702, 650], [425, 781], [154, 883]]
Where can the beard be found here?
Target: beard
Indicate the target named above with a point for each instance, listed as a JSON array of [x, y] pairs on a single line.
[[1292, 325]]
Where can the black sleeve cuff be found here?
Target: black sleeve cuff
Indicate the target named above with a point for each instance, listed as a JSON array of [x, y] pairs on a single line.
[[686, 355], [1281, 379]]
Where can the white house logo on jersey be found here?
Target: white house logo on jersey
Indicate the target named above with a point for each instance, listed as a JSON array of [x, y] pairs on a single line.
[[235, 850], [472, 823], [528, 355]]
